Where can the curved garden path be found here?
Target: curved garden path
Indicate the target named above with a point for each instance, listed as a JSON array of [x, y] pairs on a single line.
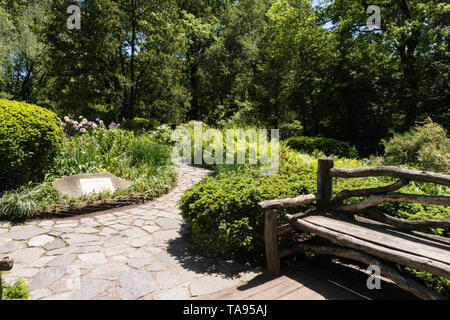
[[135, 252]]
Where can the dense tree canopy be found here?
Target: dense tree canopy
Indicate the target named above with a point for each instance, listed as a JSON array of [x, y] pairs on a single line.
[[264, 62]]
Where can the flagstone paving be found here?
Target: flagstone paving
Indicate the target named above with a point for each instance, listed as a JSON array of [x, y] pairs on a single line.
[[127, 253]]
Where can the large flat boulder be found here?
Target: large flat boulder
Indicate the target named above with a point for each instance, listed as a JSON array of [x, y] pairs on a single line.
[[80, 184]]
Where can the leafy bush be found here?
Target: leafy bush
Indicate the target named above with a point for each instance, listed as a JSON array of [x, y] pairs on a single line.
[[426, 146], [291, 129], [17, 291], [29, 135], [326, 145], [138, 124]]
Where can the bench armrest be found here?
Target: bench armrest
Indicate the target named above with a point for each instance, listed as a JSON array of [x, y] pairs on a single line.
[[285, 203]]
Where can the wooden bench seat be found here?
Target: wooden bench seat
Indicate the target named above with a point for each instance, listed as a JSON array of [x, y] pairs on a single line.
[[413, 249], [383, 237]]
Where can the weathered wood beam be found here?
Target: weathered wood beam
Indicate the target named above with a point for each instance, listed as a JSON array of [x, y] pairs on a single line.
[[394, 197], [285, 203], [346, 194], [410, 225], [271, 242], [324, 183], [400, 280], [410, 260], [394, 172], [285, 229], [6, 264]]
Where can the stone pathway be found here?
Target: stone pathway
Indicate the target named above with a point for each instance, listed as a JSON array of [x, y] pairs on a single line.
[[127, 253]]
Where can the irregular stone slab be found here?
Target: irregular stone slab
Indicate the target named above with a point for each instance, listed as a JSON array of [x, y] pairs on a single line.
[[119, 227], [167, 223], [46, 223], [120, 249], [65, 250], [86, 230], [46, 277], [180, 293], [91, 288], [140, 242], [139, 262], [151, 229], [64, 260], [210, 284], [166, 279], [134, 232], [11, 245], [24, 233], [139, 222], [166, 235], [156, 267], [107, 232], [138, 283], [109, 271], [26, 256], [39, 241], [20, 271], [43, 261], [38, 294], [76, 238], [77, 185], [94, 258], [56, 244], [89, 249]]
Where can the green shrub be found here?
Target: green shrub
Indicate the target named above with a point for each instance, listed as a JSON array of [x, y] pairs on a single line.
[[137, 124], [17, 291], [291, 129], [326, 145], [30, 138], [223, 214], [425, 146]]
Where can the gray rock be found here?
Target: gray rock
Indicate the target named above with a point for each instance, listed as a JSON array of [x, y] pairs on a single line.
[[167, 223], [26, 256], [77, 239], [71, 186], [94, 258], [210, 284], [134, 232], [138, 283], [11, 245], [46, 277], [91, 288], [180, 293], [64, 260], [39, 241], [38, 294], [24, 232], [56, 244], [139, 262]]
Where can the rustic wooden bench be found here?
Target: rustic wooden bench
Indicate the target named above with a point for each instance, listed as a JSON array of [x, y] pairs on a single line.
[[373, 240]]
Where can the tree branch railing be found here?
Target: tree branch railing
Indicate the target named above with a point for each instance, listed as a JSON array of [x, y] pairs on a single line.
[[327, 203]]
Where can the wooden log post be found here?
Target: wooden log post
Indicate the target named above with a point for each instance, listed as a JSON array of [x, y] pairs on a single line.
[[6, 264], [324, 183], [271, 242]]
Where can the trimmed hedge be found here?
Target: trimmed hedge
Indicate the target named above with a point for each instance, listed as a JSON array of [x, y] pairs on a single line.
[[30, 138], [326, 145]]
